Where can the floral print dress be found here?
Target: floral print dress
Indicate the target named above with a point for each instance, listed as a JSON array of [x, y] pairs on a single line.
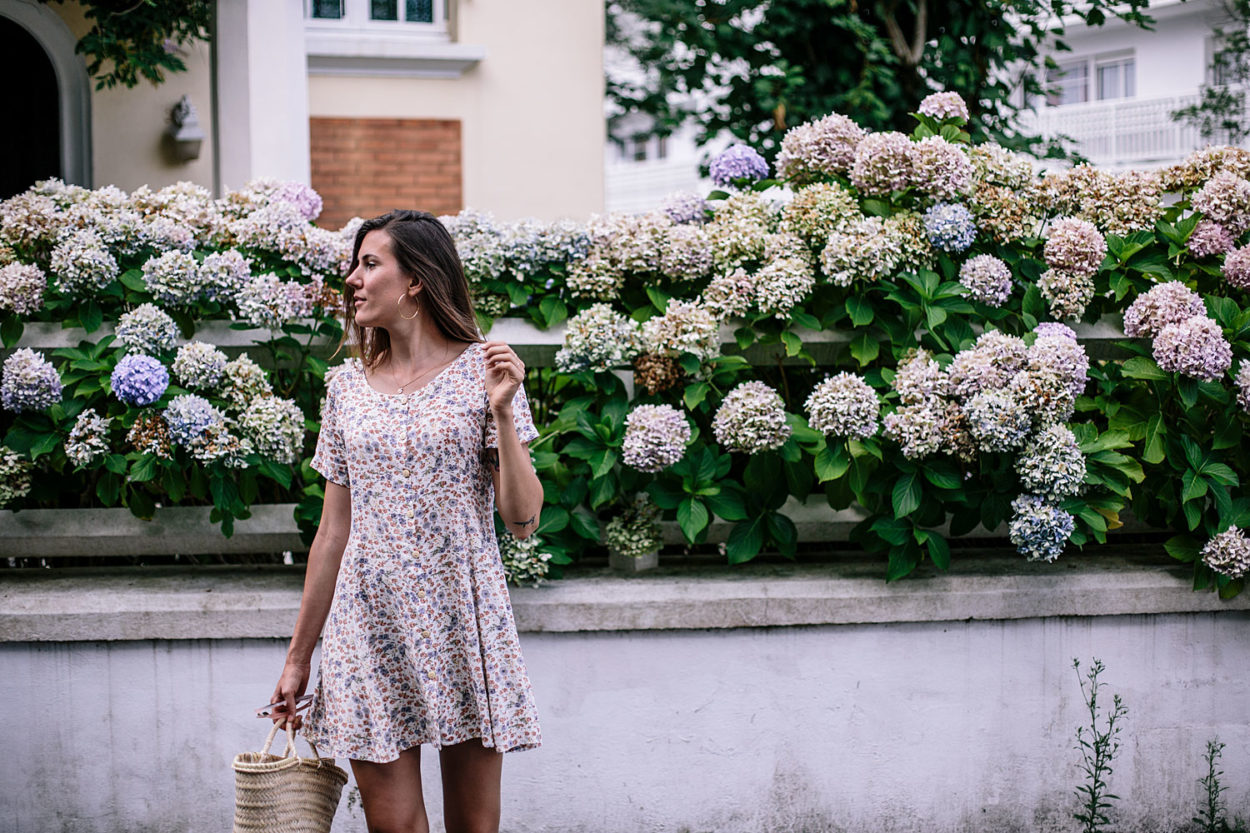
[[420, 645]]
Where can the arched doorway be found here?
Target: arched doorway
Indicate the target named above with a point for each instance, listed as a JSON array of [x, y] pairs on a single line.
[[30, 149], [37, 49]]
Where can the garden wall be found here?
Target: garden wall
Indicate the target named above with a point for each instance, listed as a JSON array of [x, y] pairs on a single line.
[[780, 698]]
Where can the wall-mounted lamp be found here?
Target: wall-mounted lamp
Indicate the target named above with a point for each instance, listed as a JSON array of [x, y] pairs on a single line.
[[184, 133]]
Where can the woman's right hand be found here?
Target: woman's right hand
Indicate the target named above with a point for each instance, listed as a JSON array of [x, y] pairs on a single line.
[[290, 687]]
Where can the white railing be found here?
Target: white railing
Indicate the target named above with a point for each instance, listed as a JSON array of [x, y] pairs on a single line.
[[1123, 132], [633, 187]]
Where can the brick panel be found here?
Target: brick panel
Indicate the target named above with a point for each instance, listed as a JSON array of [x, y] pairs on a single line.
[[366, 167]]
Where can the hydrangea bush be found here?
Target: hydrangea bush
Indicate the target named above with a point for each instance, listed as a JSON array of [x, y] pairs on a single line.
[[882, 320], [144, 412]]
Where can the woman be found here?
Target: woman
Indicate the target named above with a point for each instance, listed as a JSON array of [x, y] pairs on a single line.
[[418, 435]]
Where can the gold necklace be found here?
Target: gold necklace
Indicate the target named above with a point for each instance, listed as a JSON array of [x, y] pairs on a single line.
[[424, 374]]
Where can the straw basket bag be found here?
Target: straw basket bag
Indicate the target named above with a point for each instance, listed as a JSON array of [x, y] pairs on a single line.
[[285, 793]]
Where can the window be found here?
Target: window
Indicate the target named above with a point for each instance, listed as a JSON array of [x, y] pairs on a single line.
[[1097, 78], [1116, 78], [370, 14], [325, 9], [1068, 84]]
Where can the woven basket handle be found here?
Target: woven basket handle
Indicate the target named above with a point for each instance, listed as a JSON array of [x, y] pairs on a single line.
[[290, 742]]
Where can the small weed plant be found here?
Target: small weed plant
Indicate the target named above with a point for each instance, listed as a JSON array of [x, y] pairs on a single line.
[[1212, 816], [1098, 742]]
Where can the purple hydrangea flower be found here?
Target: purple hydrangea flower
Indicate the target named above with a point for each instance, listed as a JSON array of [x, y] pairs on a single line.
[[1059, 353], [1210, 238], [139, 380], [950, 227], [1195, 347], [1243, 386], [1167, 303], [686, 209], [844, 406], [655, 437], [305, 199], [987, 280], [30, 382], [943, 106], [1074, 246], [737, 162], [1054, 328], [1237, 268]]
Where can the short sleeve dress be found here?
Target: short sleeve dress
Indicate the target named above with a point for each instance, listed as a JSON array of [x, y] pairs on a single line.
[[420, 645]]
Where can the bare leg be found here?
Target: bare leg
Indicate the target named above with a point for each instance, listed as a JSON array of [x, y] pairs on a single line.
[[471, 776], [391, 794]]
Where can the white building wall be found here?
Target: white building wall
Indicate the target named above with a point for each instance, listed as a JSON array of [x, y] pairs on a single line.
[[934, 726], [530, 111]]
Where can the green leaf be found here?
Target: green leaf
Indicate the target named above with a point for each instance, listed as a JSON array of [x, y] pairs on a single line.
[[906, 495], [727, 505], [694, 395], [553, 519], [902, 561], [794, 344], [1154, 451], [944, 477], [745, 541], [280, 474], [1194, 486], [664, 495], [140, 504], [11, 330], [554, 310], [91, 315], [658, 297], [1140, 367], [865, 349], [604, 463], [584, 524], [860, 310], [133, 279], [784, 533], [602, 490], [939, 551], [175, 485], [1183, 547], [831, 463]]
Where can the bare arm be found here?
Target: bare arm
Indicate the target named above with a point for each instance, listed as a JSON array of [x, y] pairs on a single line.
[[518, 493], [324, 558]]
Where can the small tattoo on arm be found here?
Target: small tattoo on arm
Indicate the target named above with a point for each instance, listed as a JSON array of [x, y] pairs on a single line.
[[492, 458], [526, 523]]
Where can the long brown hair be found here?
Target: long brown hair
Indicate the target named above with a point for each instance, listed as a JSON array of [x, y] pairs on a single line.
[[425, 252]]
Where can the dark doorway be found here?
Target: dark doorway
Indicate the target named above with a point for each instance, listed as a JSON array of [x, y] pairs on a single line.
[[30, 146]]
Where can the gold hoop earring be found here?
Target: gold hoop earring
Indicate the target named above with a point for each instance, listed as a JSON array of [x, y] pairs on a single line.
[[400, 300]]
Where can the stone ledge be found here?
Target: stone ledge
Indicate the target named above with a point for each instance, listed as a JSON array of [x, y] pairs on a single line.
[[252, 602]]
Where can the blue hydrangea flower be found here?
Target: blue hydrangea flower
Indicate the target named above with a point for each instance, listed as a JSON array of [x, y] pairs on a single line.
[[139, 380], [189, 416], [950, 227], [737, 162], [1039, 529]]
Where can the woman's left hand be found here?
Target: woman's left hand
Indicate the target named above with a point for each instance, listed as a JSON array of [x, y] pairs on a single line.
[[504, 372]]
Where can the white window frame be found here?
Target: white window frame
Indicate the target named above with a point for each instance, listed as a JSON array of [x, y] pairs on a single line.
[[356, 19], [357, 45], [1121, 58], [1091, 65], [1067, 67]]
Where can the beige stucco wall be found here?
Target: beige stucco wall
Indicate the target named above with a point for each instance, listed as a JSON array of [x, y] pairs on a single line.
[[127, 124], [531, 110]]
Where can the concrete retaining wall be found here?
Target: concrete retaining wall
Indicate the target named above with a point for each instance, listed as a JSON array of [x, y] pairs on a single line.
[[930, 722]]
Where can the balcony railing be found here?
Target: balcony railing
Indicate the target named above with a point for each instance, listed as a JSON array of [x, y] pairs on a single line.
[[1121, 133]]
